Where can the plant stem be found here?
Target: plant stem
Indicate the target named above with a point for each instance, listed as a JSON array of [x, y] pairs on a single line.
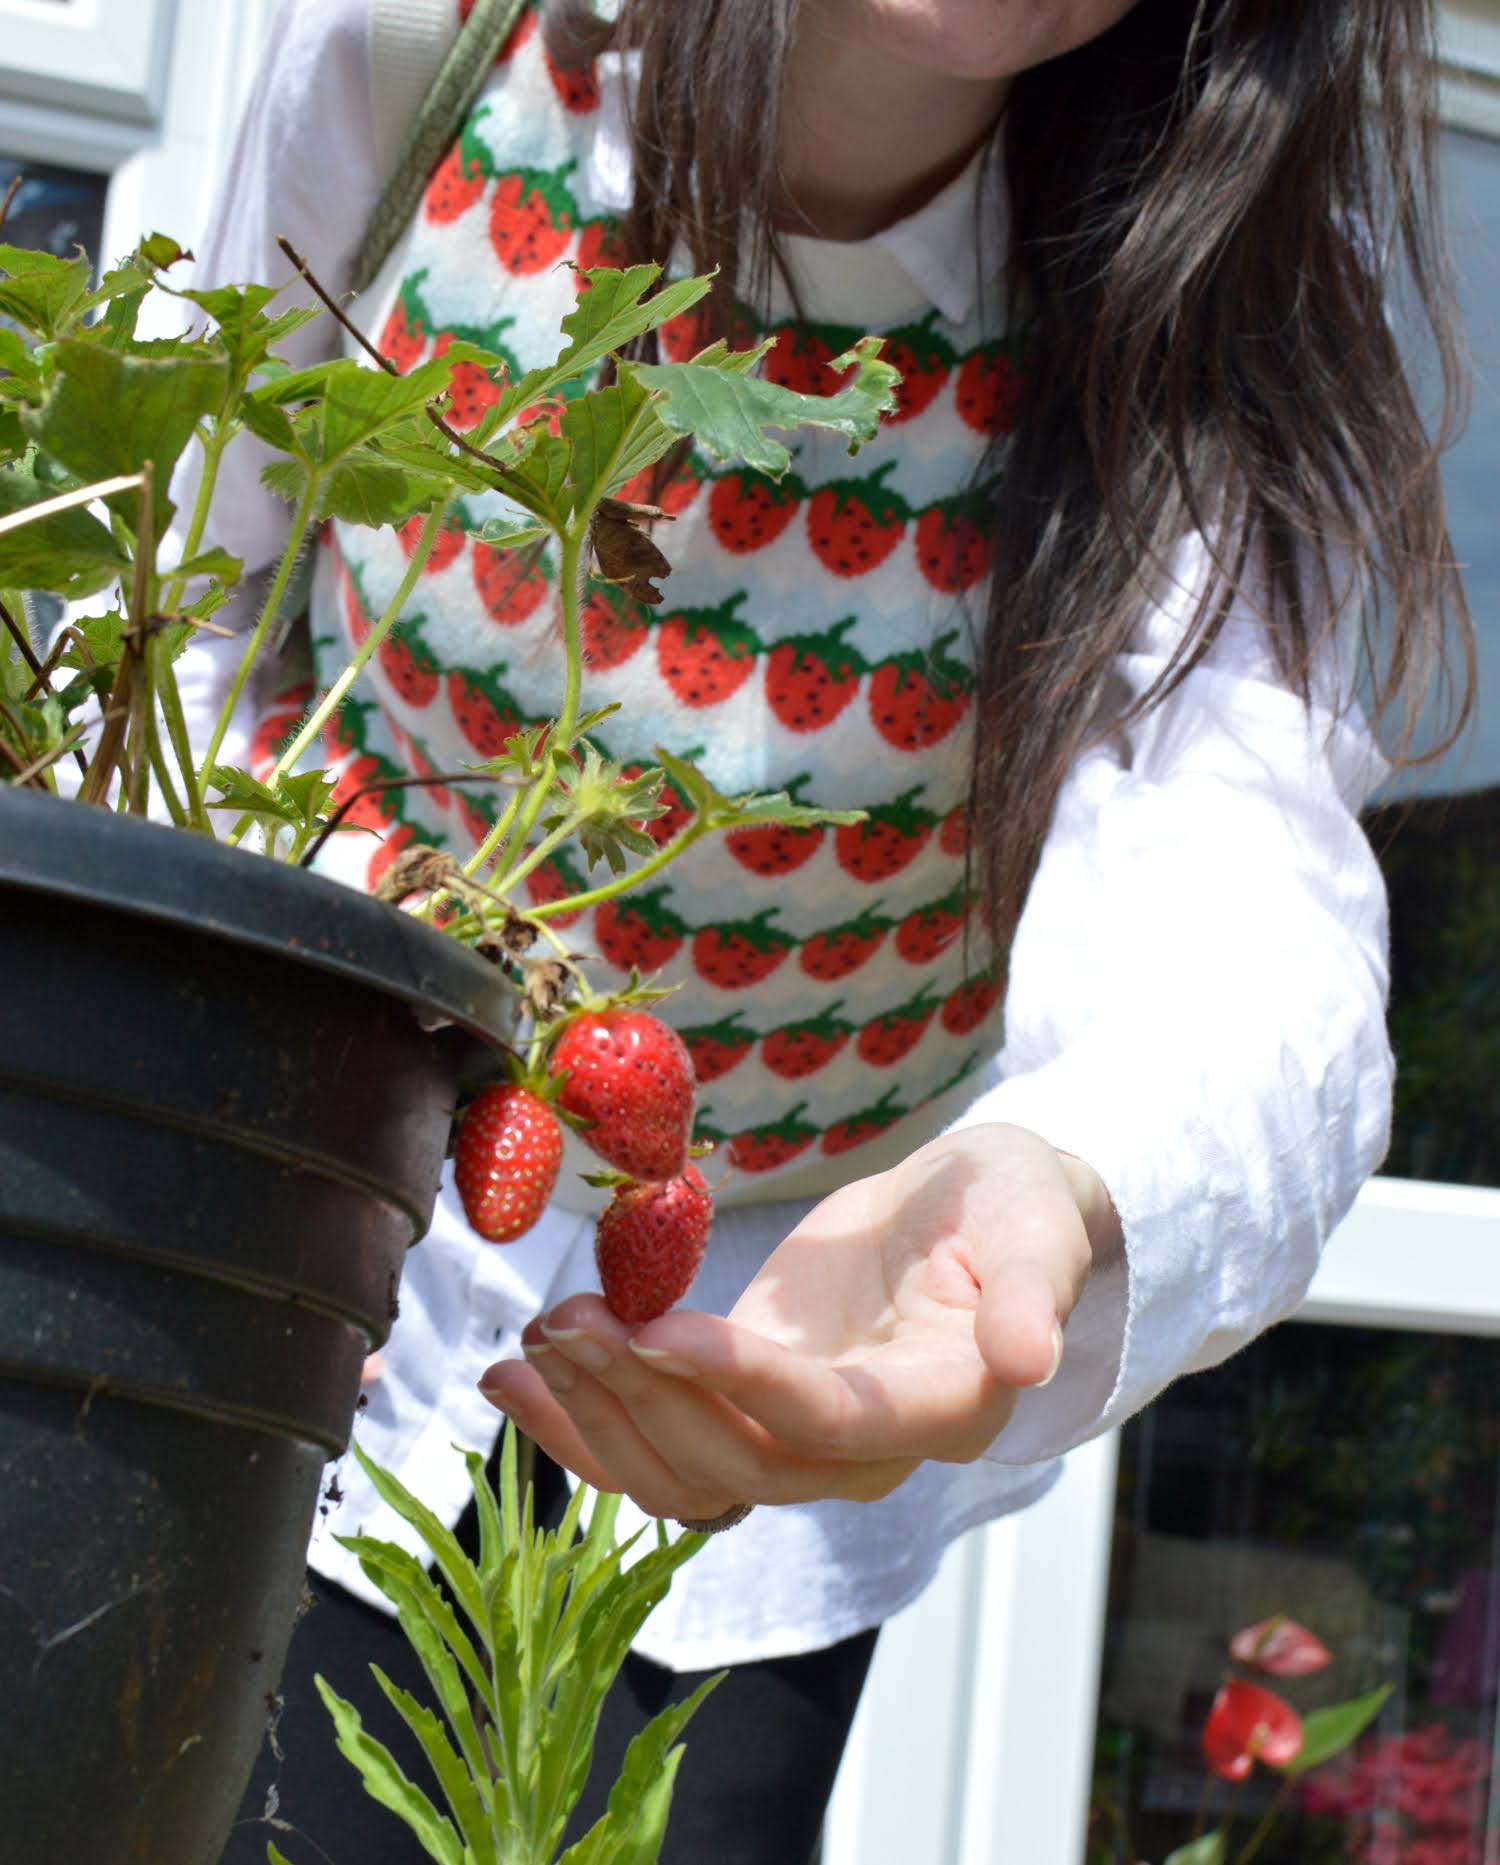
[[578, 903], [1258, 1838], [170, 700], [301, 524], [162, 775], [213, 450]]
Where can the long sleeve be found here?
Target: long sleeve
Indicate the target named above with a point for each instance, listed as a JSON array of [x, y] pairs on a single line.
[[1196, 1008]]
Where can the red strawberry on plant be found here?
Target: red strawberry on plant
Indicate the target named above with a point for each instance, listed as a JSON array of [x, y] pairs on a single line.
[[458, 180], [638, 933], [853, 525], [716, 1048], [557, 878], [924, 360], [917, 699], [776, 847], [989, 392], [648, 1244], [506, 1157], [511, 583], [450, 541], [804, 1047], [749, 510], [532, 217], [865, 1125], [483, 711], [613, 627], [810, 679], [276, 728], [576, 89], [891, 837], [833, 954], [886, 1039], [965, 1008], [953, 553], [740, 953], [762, 1149], [408, 665], [926, 933], [630, 1077], [706, 655]]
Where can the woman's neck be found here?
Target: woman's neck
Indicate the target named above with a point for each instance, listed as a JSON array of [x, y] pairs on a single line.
[[867, 137]]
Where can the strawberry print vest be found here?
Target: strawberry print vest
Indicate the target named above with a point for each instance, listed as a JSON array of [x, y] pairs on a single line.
[[815, 636]]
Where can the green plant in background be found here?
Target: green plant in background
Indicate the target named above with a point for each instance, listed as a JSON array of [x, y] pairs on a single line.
[[519, 1650]]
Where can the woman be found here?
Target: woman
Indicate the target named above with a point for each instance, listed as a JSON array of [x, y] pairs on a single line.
[[1079, 629]]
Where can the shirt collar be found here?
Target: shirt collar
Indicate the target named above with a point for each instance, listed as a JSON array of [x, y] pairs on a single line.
[[950, 249]]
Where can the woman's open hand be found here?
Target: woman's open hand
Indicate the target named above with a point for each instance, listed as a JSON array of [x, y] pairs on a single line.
[[896, 1323]]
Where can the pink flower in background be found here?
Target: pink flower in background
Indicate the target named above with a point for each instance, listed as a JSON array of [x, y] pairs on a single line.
[[1281, 1648], [1247, 1724]]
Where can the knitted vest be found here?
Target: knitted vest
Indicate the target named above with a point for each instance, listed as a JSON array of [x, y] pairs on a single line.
[[815, 637]]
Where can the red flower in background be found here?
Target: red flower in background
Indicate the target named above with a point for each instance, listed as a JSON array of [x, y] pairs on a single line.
[[1281, 1648], [1249, 1724]]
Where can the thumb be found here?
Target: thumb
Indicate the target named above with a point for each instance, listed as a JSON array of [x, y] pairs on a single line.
[[1017, 1326]]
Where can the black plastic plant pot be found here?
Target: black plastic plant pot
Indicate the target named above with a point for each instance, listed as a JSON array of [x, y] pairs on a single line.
[[225, 1093]]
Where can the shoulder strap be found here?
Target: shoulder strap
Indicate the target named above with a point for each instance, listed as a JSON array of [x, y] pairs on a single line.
[[399, 30]]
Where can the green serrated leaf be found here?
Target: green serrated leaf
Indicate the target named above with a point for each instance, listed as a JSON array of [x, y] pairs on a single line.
[[469, 1798], [68, 553], [239, 791], [598, 427], [364, 489], [729, 412], [499, 534], [455, 1566], [216, 562], [1327, 1732], [357, 403], [41, 292], [286, 478], [386, 1783]]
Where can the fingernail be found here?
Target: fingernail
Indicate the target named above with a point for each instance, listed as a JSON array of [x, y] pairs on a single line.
[[560, 1333], [580, 1347], [556, 1371], [1057, 1354], [662, 1362]]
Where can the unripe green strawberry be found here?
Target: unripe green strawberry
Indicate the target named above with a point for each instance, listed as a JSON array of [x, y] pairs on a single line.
[[649, 1242], [506, 1157], [631, 1077]]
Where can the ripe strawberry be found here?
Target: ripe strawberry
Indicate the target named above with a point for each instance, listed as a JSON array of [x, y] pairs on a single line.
[[557, 878], [649, 1242], [810, 679], [965, 1008], [802, 1048], [953, 837], [952, 552], [761, 1149], [926, 933], [800, 358], [891, 838], [917, 699], [408, 665], [577, 90], [705, 655], [864, 1125], [740, 952], [924, 360], [747, 510], [450, 541], [886, 1039], [990, 387], [510, 583], [505, 1160], [458, 181], [639, 932], [276, 728], [853, 525], [632, 1077], [613, 628], [532, 217], [716, 1048], [483, 711], [833, 954], [404, 335]]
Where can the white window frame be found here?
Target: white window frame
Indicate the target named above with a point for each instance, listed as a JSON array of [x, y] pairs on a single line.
[[83, 82]]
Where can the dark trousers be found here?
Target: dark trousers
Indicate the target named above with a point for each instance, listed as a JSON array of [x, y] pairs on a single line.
[[761, 1753]]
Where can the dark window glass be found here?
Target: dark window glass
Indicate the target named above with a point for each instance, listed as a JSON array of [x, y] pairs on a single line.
[[56, 210]]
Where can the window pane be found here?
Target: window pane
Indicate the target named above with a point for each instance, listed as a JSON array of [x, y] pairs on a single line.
[[1346, 1478]]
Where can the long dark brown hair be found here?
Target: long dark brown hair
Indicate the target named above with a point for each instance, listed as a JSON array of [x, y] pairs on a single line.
[[1210, 206]]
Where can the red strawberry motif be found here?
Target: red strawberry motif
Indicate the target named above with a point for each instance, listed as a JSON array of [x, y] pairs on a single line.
[[747, 510], [965, 1008], [648, 1245], [422, 766], [458, 180], [775, 847], [638, 932], [396, 843], [532, 217], [924, 360], [598, 245], [831, 955], [477, 819], [506, 1156], [683, 336], [705, 655], [716, 1048], [450, 541], [952, 552], [891, 838], [276, 728], [675, 495], [357, 618], [740, 953], [886, 1039], [613, 627], [403, 337], [762, 1149], [510, 583], [483, 711], [864, 1125], [557, 878], [810, 679], [990, 388], [630, 1076], [953, 837], [801, 360], [577, 89], [928, 932], [471, 388], [917, 699], [853, 525], [803, 1047]]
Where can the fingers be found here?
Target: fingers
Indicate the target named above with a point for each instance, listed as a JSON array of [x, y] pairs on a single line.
[[515, 1388]]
